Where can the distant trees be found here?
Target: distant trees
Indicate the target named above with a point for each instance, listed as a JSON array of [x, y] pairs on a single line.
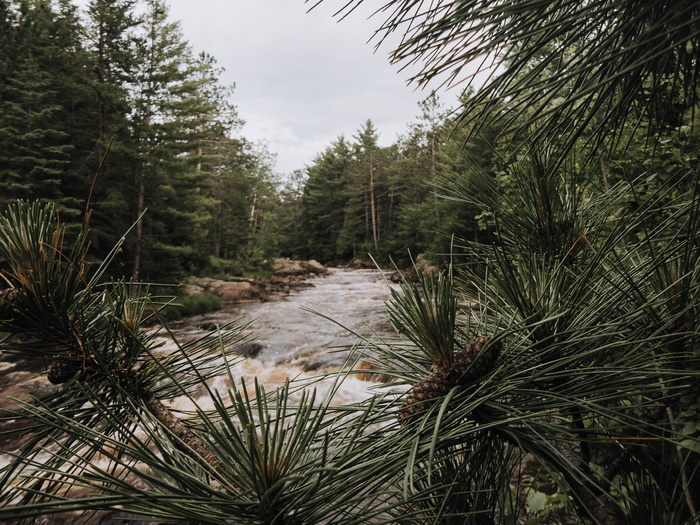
[[323, 201], [109, 109], [361, 198]]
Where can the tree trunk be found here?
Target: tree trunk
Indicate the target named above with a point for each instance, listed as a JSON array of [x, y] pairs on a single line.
[[373, 205], [140, 199]]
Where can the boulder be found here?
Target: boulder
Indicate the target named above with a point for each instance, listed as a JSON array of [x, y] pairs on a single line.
[[201, 282], [190, 290], [234, 292], [289, 268], [250, 349], [315, 267], [362, 264]]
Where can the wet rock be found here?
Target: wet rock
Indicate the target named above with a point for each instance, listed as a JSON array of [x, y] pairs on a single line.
[[190, 290], [233, 291], [289, 267], [315, 359], [251, 349], [362, 264], [237, 291]]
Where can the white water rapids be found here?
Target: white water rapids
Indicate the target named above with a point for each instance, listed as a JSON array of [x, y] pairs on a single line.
[[294, 343], [305, 333]]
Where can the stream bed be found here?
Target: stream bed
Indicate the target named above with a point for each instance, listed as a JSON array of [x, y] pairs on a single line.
[[299, 336], [289, 341], [305, 333]]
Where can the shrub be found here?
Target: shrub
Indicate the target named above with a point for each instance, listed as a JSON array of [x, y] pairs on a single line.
[[193, 305]]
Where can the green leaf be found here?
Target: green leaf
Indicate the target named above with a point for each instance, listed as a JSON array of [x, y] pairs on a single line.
[[537, 501]]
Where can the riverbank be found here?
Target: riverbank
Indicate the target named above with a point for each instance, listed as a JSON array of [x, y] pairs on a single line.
[[287, 275]]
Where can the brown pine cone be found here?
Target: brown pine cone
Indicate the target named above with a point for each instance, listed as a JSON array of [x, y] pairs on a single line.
[[469, 365], [424, 394], [8, 297], [61, 371]]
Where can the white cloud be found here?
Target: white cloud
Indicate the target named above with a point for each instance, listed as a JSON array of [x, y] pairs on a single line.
[[301, 79]]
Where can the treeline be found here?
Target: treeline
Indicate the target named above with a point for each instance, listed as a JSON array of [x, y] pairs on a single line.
[[433, 191], [358, 198], [109, 109]]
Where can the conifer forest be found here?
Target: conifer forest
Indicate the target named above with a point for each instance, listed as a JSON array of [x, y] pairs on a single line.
[[544, 371]]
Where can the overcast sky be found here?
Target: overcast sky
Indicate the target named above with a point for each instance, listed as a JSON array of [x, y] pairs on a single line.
[[302, 79]]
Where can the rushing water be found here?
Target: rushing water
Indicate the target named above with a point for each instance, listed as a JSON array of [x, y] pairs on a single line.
[[306, 332], [307, 322], [294, 343]]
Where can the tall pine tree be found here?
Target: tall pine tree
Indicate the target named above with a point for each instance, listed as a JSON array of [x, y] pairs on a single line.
[[323, 201], [41, 107]]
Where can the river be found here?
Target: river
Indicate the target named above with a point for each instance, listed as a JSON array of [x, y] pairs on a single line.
[[307, 332], [292, 342]]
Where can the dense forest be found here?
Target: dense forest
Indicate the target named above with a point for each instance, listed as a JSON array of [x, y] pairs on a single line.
[[109, 110]]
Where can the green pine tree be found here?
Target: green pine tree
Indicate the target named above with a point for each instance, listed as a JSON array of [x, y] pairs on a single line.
[[39, 105], [323, 203]]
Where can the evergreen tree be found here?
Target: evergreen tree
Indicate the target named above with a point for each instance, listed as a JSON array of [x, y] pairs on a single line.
[[289, 214], [323, 202], [168, 120], [366, 194], [41, 105], [261, 248], [111, 39], [417, 210]]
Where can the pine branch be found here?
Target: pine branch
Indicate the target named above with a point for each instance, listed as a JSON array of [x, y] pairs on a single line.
[[186, 440]]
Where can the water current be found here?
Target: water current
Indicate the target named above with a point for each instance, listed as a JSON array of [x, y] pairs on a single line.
[[307, 332], [297, 336]]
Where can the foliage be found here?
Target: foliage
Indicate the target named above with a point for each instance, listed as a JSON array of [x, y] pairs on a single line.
[[599, 357], [109, 109], [90, 332], [187, 306]]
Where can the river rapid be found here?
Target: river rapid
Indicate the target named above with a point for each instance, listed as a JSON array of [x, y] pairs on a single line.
[[288, 341], [301, 335], [310, 331]]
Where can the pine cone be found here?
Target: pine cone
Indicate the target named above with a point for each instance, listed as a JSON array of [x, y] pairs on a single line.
[[469, 365], [424, 394], [61, 371], [7, 303]]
